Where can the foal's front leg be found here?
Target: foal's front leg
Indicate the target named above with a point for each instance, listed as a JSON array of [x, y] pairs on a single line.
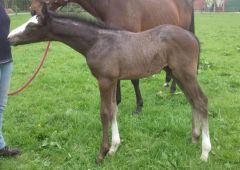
[[115, 132], [107, 88]]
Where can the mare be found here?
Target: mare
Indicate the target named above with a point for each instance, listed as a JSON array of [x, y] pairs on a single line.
[[114, 55], [134, 16]]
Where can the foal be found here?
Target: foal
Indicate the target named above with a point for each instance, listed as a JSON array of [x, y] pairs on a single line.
[[114, 55], [134, 16]]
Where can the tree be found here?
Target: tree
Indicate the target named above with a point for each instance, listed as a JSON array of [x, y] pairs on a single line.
[[17, 5]]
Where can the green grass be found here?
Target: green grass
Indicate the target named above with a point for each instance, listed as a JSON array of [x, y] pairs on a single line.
[[55, 121]]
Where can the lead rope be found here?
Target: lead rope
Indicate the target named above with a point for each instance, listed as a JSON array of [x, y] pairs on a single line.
[[34, 74], [36, 70]]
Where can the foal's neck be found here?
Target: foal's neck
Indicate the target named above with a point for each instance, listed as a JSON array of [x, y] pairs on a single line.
[[78, 35]]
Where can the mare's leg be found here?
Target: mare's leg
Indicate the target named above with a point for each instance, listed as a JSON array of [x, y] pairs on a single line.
[[168, 79], [199, 102], [107, 88], [115, 132], [118, 95], [168, 76], [138, 96], [173, 86]]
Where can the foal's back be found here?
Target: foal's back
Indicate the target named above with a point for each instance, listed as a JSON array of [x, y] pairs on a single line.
[[127, 55]]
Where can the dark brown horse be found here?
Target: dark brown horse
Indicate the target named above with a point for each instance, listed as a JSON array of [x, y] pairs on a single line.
[[114, 55], [134, 16]]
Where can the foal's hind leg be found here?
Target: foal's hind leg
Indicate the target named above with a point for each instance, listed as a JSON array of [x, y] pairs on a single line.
[[199, 103], [138, 96], [195, 126]]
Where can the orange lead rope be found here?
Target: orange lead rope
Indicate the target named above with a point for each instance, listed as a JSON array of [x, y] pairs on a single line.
[[34, 74]]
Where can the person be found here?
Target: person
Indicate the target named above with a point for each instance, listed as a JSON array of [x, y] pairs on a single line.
[[5, 73]]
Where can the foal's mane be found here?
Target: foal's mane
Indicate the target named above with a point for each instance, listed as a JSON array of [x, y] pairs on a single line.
[[88, 21]]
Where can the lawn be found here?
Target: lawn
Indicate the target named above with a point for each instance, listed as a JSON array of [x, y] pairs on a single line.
[[56, 123]]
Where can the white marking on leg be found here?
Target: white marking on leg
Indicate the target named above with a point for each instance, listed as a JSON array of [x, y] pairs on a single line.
[[22, 28], [115, 134], [206, 144]]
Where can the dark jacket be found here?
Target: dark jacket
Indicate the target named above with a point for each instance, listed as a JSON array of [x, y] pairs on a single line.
[[5, 49]]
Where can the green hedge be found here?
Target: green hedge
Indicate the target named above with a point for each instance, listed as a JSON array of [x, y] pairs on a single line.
[[232, 5], [18, 5]]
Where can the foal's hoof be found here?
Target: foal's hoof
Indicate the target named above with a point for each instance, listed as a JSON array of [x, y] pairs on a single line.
[[114, 148], [111, 152], [195, 138], [204, 158], [99, 160]]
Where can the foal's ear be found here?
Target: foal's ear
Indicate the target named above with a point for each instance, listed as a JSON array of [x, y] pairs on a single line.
[[44, 15], [45, 12]]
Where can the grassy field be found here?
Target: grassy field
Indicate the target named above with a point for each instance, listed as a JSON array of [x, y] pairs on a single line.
[[56, 121]]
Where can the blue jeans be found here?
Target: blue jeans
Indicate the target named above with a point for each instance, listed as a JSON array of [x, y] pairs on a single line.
[[5, 74]]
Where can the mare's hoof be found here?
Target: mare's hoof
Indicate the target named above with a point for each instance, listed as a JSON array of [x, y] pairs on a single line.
[[166, 85], [172, 90], [137, 111]]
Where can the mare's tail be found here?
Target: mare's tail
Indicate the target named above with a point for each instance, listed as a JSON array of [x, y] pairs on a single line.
[[192, 26], [192, 30]]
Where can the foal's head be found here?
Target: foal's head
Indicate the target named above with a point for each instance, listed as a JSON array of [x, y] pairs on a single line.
[[37, 5], [35, 29]]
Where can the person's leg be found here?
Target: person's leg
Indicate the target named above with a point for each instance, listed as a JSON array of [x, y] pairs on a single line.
[[5, 74]]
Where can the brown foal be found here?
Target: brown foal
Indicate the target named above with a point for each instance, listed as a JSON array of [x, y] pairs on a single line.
[[114, 55], [134, 16]]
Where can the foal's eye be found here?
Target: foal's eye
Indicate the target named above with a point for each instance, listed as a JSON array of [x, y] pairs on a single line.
[[30, 24], [30, 29]]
